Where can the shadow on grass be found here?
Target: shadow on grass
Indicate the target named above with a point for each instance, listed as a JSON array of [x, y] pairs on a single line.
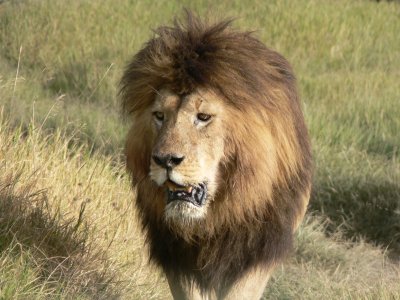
[[81, 81], [367, 209], [379, 146], [61, 248], [73, 78]]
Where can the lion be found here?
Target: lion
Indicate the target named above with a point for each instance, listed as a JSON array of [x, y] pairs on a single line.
[[219, 156]]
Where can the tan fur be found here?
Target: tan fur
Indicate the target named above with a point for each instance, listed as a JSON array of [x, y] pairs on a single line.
[[254, 155]]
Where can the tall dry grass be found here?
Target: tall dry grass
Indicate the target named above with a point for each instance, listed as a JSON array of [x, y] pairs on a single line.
[[69, 215]]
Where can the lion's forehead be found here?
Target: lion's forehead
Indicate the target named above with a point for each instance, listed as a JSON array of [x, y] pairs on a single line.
[[200, 99]]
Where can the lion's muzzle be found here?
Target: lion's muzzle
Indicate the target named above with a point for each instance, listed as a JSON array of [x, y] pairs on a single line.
[[194, 194]]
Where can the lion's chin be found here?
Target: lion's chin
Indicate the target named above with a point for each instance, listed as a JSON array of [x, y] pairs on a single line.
[[183, 212]]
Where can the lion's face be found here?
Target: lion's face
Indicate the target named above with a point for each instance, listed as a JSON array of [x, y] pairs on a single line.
[[187, 149]]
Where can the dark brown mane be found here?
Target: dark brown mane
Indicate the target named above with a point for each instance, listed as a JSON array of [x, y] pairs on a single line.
[[194, 54], [266, 183]]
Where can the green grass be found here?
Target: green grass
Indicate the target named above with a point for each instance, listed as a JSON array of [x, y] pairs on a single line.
[[61, 137], [331, 268]]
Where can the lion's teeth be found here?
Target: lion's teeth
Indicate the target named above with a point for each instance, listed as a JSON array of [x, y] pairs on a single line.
[[174, 187], [169, 185]]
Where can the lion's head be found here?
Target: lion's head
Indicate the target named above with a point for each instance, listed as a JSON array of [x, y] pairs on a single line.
[[187, 150], [218, 136]]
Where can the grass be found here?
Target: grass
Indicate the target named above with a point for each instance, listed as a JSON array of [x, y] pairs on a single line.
[[67, 225], [332, 268], [70, 213], [43, 255]]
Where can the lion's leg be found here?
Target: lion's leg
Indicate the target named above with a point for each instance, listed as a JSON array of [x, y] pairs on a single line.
[[250, 286], [184, 290]]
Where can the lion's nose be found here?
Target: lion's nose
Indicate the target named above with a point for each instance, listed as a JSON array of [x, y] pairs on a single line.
[[168, 161]]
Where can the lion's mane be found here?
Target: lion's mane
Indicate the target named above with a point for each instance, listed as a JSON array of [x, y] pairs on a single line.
[[265, 179]]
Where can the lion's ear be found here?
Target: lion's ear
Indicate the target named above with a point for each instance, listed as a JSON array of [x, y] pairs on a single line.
[[138, 152]]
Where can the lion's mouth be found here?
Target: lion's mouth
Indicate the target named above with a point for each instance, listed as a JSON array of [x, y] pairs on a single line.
[[194, 194]]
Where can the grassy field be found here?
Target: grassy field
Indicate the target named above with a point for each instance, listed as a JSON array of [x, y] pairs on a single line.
[[68, 227]]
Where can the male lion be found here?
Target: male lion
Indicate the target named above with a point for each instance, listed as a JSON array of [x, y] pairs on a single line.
[[220, 157]]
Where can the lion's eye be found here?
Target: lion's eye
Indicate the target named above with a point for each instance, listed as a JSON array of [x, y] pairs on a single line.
[[158, 115], [203, 117]]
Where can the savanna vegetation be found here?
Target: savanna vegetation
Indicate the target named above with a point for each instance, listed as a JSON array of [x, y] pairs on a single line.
[[68, 227]]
